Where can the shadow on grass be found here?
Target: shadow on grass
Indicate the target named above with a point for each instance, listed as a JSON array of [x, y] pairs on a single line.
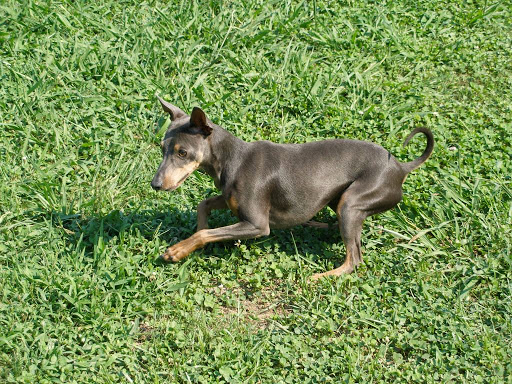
[[175, 225], [146, 224]]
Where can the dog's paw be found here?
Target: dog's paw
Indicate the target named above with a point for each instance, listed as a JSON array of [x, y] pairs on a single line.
[[343, 270], [174, 253], [167, 257]]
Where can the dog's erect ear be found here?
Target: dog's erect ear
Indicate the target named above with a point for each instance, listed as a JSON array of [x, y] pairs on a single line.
[[198, 120], [172, 110]]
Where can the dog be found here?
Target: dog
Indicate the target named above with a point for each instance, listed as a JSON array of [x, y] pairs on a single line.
[[268, 185]]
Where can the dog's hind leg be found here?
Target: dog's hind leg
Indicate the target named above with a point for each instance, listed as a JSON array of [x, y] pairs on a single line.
[[350, 221], [316, 224], [359, 201]]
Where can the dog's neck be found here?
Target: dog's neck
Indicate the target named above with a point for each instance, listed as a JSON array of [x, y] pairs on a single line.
[[223, 148]]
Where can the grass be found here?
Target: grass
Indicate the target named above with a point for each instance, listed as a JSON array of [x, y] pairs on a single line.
[[82, 297]]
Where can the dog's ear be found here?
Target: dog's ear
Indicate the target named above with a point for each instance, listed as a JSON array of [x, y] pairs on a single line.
[[172, 110], [198, 120]]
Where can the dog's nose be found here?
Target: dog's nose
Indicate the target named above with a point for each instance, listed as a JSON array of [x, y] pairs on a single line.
[[156, 184]]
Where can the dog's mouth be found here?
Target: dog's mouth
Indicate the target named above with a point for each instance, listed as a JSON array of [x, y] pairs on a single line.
[[170, 175], [172, 188]]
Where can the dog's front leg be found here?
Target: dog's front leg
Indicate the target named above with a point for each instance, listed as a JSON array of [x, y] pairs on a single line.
[[241, 230], [205, 207]]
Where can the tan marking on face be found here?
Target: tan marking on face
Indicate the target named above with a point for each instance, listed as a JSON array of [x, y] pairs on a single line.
[[233, 204], [176, 148], [173, 178]]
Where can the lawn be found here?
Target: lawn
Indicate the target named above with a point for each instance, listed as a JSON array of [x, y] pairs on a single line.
[[83, 297]]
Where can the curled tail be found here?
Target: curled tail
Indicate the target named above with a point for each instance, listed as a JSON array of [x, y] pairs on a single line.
[[411, 165]]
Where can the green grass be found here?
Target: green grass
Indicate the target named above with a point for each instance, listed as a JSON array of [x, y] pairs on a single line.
[[82, 297]]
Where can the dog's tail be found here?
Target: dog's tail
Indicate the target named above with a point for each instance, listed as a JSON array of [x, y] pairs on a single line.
[[411, 165]]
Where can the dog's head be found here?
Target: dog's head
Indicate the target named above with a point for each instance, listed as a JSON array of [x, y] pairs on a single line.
[[183, 148]]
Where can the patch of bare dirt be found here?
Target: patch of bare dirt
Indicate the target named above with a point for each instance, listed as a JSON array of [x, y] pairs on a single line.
[[256, 308], [145, 333]]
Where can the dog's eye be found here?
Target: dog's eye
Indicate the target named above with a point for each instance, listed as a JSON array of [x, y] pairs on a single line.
[[182, 153]]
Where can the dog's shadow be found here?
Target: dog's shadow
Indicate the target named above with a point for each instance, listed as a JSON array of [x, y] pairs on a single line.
[[174, 225], [88, 230]]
